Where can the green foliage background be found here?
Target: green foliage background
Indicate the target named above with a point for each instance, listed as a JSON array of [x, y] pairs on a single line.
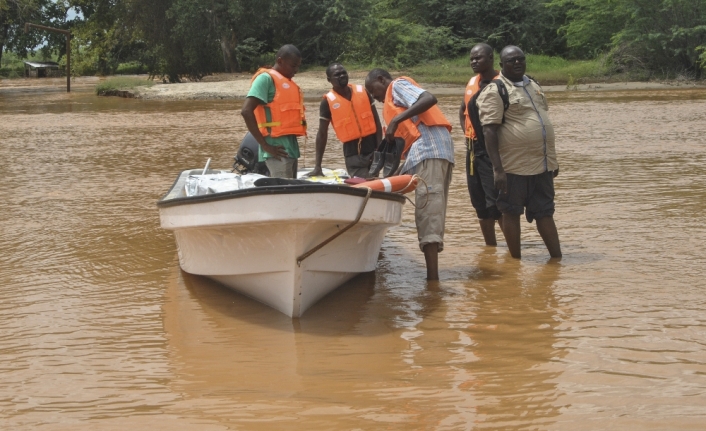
[[178, 38]]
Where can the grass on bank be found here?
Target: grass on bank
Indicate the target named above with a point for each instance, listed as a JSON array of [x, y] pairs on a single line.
[[122, 83], [545, 69]]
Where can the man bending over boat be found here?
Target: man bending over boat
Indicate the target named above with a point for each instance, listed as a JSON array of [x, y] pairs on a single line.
[[411, 114], [274, 113], [348, 108]]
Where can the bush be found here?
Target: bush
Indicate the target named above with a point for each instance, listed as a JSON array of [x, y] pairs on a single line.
[[122, 83], [397, 44], [548, 70], [12, 72], [131, 68], [250, 57], [556, 70]]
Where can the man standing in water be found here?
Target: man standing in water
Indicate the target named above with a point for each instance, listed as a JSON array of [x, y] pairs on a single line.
[[274, 113], [349, 109], [520, 143], [411, 114], [479, 169]]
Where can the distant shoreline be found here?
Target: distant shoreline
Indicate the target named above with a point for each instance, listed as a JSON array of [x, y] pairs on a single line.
[[313, 84]]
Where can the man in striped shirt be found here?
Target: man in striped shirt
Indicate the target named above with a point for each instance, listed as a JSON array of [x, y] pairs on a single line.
[[431, 155]]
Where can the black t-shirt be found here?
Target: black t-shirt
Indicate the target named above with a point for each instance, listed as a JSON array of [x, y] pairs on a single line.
[[350, 148]]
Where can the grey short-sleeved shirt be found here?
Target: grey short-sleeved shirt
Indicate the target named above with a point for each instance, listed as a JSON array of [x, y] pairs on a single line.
[[526, 138]]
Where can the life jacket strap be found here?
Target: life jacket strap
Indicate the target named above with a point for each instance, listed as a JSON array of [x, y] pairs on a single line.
[[276, 123]]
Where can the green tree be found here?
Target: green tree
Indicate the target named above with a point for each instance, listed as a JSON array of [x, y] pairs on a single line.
[[527, 23], [198, 37], [103, 36], [665, 35], [323, 30], [397, 43], [656, 35], [591, 24], [15, 13]]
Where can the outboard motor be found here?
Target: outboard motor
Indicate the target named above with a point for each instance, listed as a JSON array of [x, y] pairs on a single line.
[[247, 159]]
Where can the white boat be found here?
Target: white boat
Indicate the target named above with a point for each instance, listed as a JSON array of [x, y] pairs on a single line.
[[269, 243]]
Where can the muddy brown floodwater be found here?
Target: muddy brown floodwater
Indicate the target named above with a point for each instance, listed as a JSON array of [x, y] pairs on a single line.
[[100, 330]]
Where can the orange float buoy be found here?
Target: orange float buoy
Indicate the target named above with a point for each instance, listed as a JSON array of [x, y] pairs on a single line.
[[395, 184]]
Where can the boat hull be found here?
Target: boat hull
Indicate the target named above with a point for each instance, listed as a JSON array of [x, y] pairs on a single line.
[[251, 241]]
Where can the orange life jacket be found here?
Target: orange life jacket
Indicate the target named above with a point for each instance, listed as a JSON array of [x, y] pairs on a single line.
[[472, 88], [407, 129], [286, 109], [351, 119]]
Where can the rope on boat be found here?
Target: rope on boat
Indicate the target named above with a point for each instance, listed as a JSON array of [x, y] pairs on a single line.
[[427, 194], [301, 258]]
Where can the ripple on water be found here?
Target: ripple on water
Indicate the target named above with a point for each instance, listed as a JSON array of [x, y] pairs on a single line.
[[99, 329]]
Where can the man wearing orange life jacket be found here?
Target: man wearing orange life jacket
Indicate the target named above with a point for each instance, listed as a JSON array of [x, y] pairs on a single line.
[[274, 113], [348, 108], [411, 114], [479, 169]]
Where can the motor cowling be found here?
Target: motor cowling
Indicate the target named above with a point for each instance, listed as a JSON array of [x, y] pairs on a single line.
[[247, 160]]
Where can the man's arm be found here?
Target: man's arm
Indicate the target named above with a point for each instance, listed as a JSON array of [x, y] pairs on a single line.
[[491, 110], [321, 138], [490, 133], [425, 101], [462, 117], [378, 126], [248, 113]]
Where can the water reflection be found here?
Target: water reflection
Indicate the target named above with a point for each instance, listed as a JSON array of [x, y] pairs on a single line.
[[514, 334], [227, 346]]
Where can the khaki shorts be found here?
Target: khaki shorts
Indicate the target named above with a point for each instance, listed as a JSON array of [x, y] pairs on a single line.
[[285, 167], [431, 219]]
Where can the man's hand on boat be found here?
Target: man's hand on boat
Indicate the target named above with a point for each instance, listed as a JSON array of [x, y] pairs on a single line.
[[274, 151]]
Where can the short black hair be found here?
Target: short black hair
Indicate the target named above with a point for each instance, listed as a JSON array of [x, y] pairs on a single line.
[[508, 48], [487, 49], [376, 73], [288, 51], [329, 69]]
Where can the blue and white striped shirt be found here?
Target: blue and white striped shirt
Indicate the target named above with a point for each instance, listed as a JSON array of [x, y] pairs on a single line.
[[435, 142]]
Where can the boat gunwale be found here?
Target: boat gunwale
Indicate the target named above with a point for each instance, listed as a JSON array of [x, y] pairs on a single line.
[[275, 190]]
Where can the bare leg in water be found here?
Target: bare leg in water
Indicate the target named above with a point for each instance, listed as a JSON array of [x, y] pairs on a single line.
[[511, 230], [431, 256], [487, 227], [547, 230], [545, 227]]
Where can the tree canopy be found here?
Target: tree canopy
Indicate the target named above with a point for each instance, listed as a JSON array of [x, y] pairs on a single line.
[[176, 38]]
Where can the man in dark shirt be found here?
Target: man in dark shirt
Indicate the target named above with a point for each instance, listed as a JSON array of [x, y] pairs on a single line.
[[355, 120], [479, 169]]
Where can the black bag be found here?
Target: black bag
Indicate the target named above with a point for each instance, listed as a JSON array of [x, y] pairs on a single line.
[[387, 158]]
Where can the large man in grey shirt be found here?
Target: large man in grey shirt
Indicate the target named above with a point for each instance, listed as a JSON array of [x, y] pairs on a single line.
[[520, 144]]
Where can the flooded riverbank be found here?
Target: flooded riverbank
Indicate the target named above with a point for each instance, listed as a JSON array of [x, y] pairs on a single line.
[[100, 330], [312, 83]]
